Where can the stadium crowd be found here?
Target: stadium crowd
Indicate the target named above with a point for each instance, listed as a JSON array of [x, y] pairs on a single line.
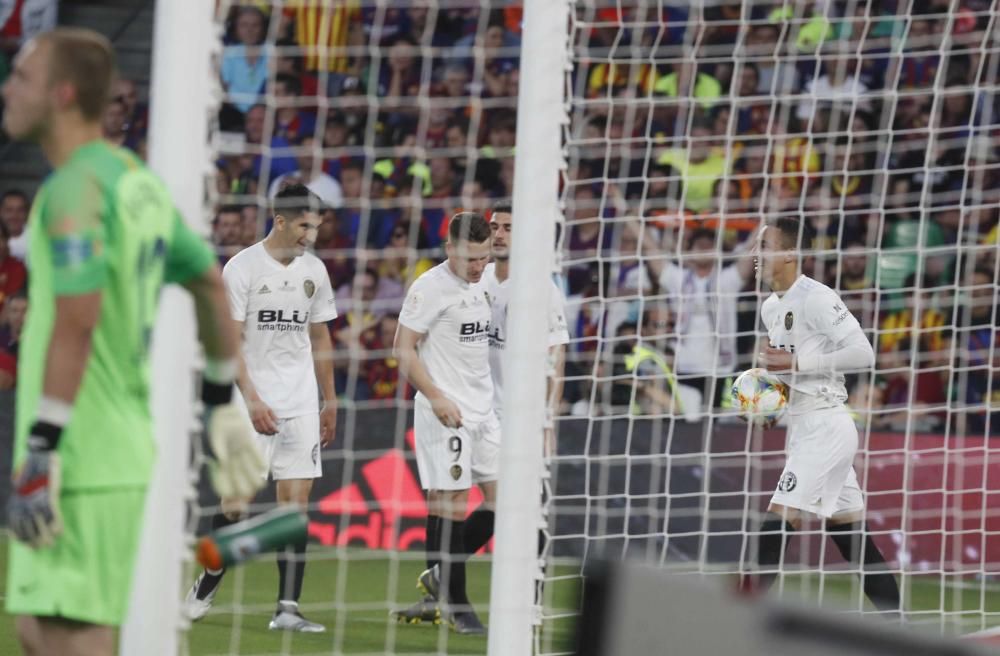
[[693, 128]]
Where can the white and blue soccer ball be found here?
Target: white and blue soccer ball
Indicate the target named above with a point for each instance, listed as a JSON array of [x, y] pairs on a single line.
[[760, 397]]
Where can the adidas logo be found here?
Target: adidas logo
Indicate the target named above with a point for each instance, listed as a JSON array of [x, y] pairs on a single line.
[[384, 508], [264, 290]]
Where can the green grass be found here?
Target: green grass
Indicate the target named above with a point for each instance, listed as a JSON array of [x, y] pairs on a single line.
[[364, 580]]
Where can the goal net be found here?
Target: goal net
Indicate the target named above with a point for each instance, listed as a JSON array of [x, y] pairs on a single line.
[[691, 124], [686, 125]]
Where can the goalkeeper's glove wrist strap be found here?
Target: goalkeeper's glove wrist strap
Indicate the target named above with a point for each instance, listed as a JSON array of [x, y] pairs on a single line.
[[217, 382], [50, 420]]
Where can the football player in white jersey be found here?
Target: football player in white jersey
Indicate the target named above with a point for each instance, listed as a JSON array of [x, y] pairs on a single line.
[[813, 339], [442, 345], [496, 277], [281, 298]]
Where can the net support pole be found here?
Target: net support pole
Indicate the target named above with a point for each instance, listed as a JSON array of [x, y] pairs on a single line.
[[540, 112], [179, 97]]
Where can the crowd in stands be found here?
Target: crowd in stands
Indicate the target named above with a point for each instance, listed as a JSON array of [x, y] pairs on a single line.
[[688, 129]]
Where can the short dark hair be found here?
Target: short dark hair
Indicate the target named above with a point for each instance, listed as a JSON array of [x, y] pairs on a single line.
[[229, 209], [86, 60], [352, 165], [468, 226], [294, 200], [14, 193], [291, 82], [503, 207], [794, 233], [701, 233]]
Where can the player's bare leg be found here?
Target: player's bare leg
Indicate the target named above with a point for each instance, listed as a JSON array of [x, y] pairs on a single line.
[[292, 564], [52, 636], [29, 635], [849, 532]]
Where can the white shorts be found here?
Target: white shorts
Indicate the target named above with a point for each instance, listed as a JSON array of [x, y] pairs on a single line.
[[455, 458], [819, 474], [294, 452]]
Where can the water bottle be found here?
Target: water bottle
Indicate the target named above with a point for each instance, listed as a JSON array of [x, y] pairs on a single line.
[[239, 542]]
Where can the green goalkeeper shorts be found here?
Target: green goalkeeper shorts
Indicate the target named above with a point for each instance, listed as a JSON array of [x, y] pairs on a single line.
[[87, 574]]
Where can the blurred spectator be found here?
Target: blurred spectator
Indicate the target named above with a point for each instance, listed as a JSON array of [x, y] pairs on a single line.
[[370, 293], [227, 233], [356, 315], [839, 82], [380, 369], [399, 262], [244, 65], [700, 165], [310, 173], [443, 178], [292, 122], [252, 225], [11, 322], [279, 153], [113, 124], [136, 113], [332, 247], [702, 295], [14, 206], [13, 275]]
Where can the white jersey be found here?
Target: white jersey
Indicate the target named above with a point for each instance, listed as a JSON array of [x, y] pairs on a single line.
[[276, 304], [454, 317], [499, 296], [809, 319]]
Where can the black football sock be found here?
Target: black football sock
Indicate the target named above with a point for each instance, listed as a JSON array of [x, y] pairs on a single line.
[[433, 541], [291, 570], [772, 539], [211, 579], [478, 529], [858, 548], [453, 563]]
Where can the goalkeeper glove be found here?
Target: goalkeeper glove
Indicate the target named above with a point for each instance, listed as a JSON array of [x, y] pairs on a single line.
[[33, 508], [235, 465]]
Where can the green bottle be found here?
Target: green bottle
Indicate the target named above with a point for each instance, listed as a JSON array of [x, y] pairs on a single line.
[[241, 541]]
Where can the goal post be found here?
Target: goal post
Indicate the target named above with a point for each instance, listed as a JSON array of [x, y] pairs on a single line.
[[541, 111]]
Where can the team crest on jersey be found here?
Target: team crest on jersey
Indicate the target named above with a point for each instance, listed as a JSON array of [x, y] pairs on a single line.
[[489, 301], [789, 319], [456, 472], [787, 482], [309, 287]]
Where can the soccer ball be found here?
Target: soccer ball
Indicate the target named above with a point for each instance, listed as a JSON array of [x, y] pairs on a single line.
[[760, 397]]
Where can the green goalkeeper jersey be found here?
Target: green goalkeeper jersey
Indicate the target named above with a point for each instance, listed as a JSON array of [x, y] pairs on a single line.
[[104, 223]]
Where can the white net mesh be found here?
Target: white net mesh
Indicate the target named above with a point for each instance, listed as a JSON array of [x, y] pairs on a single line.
[[872, 121]]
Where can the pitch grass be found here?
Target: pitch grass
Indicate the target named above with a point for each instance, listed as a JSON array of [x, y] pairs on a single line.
[[363, 580]]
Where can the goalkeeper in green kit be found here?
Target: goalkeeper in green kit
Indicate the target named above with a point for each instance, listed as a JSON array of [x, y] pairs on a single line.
[[105, 238]]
